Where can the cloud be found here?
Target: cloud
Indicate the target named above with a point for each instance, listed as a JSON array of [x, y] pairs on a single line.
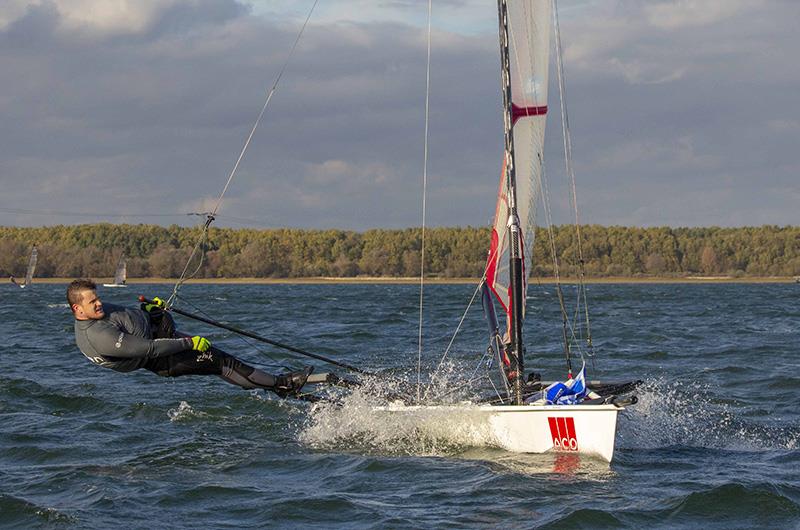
[[678, 155], [680, 14], [12, 11], [205, 205], [111, 16], [784, 125], [114, 18], [638, 72], [118, 106]]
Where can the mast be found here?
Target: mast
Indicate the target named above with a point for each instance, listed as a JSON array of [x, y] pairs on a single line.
[[516, 356]]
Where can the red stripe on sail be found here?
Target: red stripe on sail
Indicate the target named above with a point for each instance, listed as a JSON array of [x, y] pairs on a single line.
[[494, 250], [524, 112]]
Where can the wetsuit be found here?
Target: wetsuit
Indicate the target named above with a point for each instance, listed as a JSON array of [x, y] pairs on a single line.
[[128, 339]]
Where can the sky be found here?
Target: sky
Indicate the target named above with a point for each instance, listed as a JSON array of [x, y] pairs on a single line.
[[682, 112]]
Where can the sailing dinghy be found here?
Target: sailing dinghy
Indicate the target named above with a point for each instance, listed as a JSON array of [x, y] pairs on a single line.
[[574, 416], [121, 274], [31, 269]]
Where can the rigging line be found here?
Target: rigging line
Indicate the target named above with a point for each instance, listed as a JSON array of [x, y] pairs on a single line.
[[489, 260], [567, 327], [580, 288], [458, 329], [212, 214], [556, 266], [242, 338], [570, 171], [556, 272], [572, 338], [424, 199], [497, 392], [495, 348], [500, 369], [201, 241], [264, 108], [480, 362], [462, 385]]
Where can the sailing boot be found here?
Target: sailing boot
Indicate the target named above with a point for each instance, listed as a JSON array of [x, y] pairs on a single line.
[[289, 384]]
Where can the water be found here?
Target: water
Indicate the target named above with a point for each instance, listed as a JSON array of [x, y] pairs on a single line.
[[712, 443]]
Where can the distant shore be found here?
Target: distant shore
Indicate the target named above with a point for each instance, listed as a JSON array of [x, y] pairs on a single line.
[[400, 280]]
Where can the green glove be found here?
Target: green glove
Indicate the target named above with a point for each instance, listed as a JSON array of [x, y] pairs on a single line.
[[157, 303], [200, 344]]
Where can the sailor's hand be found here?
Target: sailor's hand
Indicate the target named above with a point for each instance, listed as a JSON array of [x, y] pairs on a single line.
[[157, 303], [200, 344]]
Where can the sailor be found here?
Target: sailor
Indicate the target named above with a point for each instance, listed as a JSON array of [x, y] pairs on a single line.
[[129, 339]]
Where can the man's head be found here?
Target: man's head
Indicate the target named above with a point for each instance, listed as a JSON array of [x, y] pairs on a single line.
[[83, 300]]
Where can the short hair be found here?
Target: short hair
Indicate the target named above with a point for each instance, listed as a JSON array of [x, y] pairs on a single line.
[[74, 289]]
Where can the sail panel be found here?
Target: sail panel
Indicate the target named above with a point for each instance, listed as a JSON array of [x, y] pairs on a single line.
[[529, 33]]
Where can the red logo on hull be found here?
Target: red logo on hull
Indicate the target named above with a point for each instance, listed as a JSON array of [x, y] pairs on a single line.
[[563, 432]]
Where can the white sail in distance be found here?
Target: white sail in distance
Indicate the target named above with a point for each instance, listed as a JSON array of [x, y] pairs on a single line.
[[31, 267], [122, 271], [529, 24]]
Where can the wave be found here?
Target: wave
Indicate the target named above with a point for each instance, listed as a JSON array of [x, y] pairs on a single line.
[[731, 505], [182, 412], [26, 514], [687, 414], [668, 415], [28, 393], [351, 422]]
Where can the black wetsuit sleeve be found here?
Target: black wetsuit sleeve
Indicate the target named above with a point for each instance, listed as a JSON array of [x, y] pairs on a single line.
[[110, 342]]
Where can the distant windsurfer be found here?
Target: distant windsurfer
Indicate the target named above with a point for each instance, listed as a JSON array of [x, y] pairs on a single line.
[[129, 339]]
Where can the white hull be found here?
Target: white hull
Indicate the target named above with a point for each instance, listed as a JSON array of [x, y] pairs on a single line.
[[584, 429], [114, 285]]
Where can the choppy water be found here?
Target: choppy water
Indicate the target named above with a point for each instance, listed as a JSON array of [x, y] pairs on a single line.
[[713, 442]]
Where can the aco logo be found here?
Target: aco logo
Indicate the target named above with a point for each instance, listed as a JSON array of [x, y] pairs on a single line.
[[562, 430]]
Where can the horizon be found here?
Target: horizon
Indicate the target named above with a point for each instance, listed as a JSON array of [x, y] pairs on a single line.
[[399, 228]]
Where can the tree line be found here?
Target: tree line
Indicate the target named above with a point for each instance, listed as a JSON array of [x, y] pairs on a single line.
[[92, 250]]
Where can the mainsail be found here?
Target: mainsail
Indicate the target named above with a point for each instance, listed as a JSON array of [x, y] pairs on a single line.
[[122, 272], [529, 34], [31, 267], [120, 275]]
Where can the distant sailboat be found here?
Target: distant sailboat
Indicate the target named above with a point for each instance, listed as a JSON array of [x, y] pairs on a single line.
[[31, 269], [121, 275]]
